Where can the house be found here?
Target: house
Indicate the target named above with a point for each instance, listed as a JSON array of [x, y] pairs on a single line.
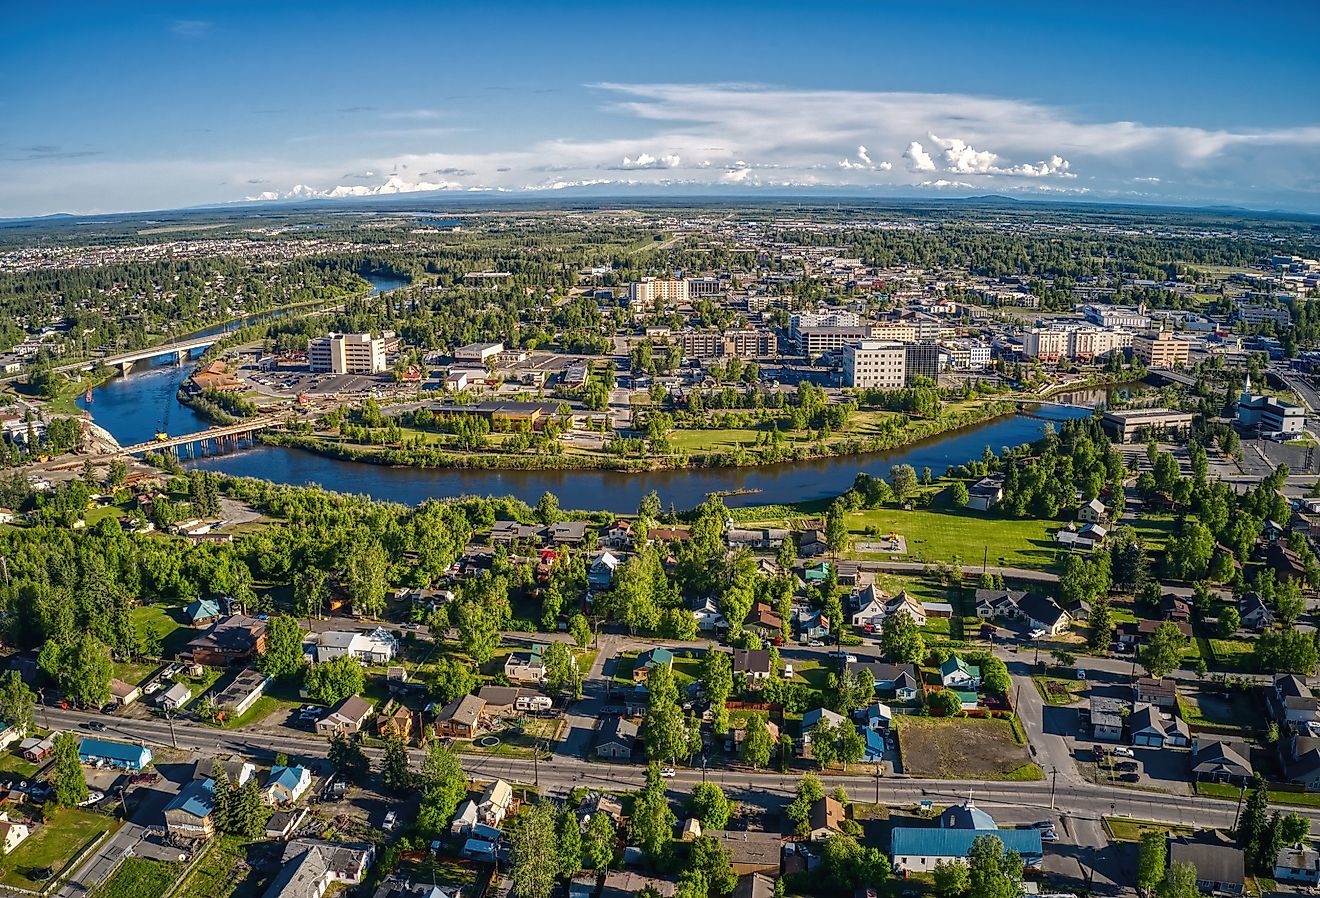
[[282, 824], [656, 657], [566, 533], [986, 493], [619, 535], [202, 612], [464, 818], [1300, 759], [348, 716], [377, 647], [1296, 863], [750, 851], [460, 717], [623, 884], [600, 573], [123, 694], [816, 573], [34, 749], [286, 784], [917, 849], [1291, 703], [398, 722], [236, 639], [1153, 728], [500, 700], [826, 818], [526, 667], [1043, 613], [755, 885], [958, 675], [752, 663], [760, 538], [1163, 694], [665, 535], [1286, 563], [190, 813], [873, 746], [12, 833], [739, 735], [495, 803], [237, 770], [870, 613], [310, 866], [1220, 761], [1140, 632], [814, 625], [1093, 512], [1175, 607], [813, 544], [903, 603], [616, 739], [899, 679], [709, 618], [997, 603], [1086, 538], [967, 816], [1107, 718], [104, 753], [1253, 613], [1219, 863], [764, 621], [242, 692], [175, 697], [506, 533]]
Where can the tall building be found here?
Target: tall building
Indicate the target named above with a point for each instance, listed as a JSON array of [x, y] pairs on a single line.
[[347, 354], [875, 364], [672, 291], [921, 360], [967, 355], [1052, 344], [1048, 345], [823, 318], [748, 343], [1161, 350], [816, 341], [1269, 414], [899, 331]]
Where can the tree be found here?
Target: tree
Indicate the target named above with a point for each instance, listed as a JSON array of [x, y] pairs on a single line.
[[665, 730], [717, 680], [1151, 861], [1292, 828], [66, 777], [845, 864], [534, 852], [1229, 622], [710, 860], [311, 590], [365, 577], [756, 742], [220, 797], [994, 676], [283, 656], [992, 871], [478, 630], [1101, 624], [452, 679], [945, 703], [1253, 826], [580, 629], [1164, 651], [333, 680], [1189, 552], [547, 509], [1286, 651], [652, 822], [394, 769], [952, 879], [1180, 881], [598, 841], [347, 758], [248, 811], [809, 791], [708, 804], [569, 835], [901, 640], [82, 668], [958, 496], [16, 702], [836, 529], [851, 745], [561, 671], [903, 481], [443, 781]]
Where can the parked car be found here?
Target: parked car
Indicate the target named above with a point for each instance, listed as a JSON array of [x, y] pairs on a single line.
[[1049, 835], [391, 821], [1037, 633], [815, 644], [1124, 752], [96, 725], [91, 799], [667, 771]]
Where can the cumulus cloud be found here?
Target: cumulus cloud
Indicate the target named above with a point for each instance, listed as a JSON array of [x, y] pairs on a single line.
[[646, 160], [862, 155], [863, 162], [885, 166], [961, 159], [917, 157], [392, 184]]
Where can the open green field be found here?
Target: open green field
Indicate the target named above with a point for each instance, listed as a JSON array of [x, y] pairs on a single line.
[[224, 872], [134, 673], [167, 622], [1229, 654], [1230, 712], [139, 878], [1125, 829], [1230, 793], [963, 748], [52, 846], [945, 534]]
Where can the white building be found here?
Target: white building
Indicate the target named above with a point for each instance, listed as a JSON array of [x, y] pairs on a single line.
[[376, 647], [967, 355], [875, 364], [666, 291], [347, 354], [478, 352]]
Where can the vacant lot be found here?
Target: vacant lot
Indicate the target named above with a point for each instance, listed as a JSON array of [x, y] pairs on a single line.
[[941, 533], [139, 878], [50, 847], [1231, 712], [963, 748]]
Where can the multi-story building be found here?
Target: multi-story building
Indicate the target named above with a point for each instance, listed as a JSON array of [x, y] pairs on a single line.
[[823, 318], [897, 331], [347, 354], [926, 328], [672, 291], [967, 355], [816, 341], [1269, 414], [1160, 350], [921, 360], [748, 343], [1047, 345], [1133, 319], [1260, 314], [701, 287], [1090, 343], [875, 364]]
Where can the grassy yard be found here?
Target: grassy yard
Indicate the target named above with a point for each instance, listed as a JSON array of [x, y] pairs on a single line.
[[134, 673], [167, 621], [943, 534], [1230, 793], [139, 878], [52, 846], [1229, 654], [1233, 711], [963, 748], [260, 710], [12, 762], [1125, 829], [1057, 690], [221, 874]]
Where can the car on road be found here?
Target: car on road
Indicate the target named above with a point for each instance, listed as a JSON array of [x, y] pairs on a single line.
[[816, 644], [667, 771], [1037, 633], [1124, 752], [391, 821], [1049, 835], [96, 725], [1044, 824]]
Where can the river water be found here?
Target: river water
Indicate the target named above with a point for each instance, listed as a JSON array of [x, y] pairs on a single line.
[[136, 407]]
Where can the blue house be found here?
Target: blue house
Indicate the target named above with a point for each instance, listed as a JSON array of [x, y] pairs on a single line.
[[917, 849], [600, 573], [202, 612], [874, 749], [103, 753]]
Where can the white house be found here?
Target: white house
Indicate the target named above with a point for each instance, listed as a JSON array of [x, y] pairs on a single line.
[[12, 833], [871, 610], [495, 803], [1093, 512], [286, 784], [959, 675], [376, 647], [709, 617]]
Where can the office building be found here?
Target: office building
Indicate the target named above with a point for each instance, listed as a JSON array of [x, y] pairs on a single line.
[[816, 341], [347, 354], [1127, 317], [1046, 345], [875, 365], [967, 355], [921, 360], [478, 352], [1125, 427], [748, 343], [1161, 350], [1269, 414], [1249, 313], [897, 331], [672, 291]]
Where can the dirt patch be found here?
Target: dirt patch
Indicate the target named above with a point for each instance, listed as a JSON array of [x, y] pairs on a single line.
[[963, 748]]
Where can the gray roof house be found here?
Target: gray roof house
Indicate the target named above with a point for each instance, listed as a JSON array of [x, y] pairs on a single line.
[[1220, 864], [1220, 761]]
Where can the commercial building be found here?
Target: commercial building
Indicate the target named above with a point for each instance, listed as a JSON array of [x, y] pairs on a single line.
[[1249, 313], [347, 354], [966, 355], [875, 364], [1133, 319], [1161, 350], [823, 318], [1135, 424], [478, 352], [921, 360], [1269, 414], [816, 341], [1046, 345], [1077, 342], [748, 343], [665, 291], [894, 330]]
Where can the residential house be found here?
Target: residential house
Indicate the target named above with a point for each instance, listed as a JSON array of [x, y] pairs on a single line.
[[709, 618], [1140, 632], [1286, 563], [826, 818], [202, 612], [501, 701], [464, 818], [175, 697], [1253, 613], [1163, 694], [870, 614], [123, 694], [310, 866], [1219, 863], [816, 573], [1220, 761], [764, 621], [507, 533], [760, 538], [236, 639], [904, 603], [958, 675], [967, 816], [1043, 613], [626, 884], [739, 735], [899, 680], [1296, 863], [190, 813], [750, 851], [656, 657], [526, 666], [377, 647], [460, 717], [755, 885], [619, 535], [236, 769], [813, 544], [998, 603], [348, 716], [600, 573], [1175, 607], [282, 824], [873, 746], [1153, 728], [814, 716], [1107, 718], [1300, 760], [495, 803], [286, 784], [877, 716], [813, 625], [1093, 512], [1292, 704], [104, 753], [754, 664], [616, 739], [398, 721], [1086, 538], [666, 535], [566, 533], [986, 493], [12, 833], [917, 849], [34, 749]]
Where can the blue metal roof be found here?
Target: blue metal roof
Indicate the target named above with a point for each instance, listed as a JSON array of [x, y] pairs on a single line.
[[875, 745], [200, 609], [288, 777], [927, 841], [115, 751], [196, 799]]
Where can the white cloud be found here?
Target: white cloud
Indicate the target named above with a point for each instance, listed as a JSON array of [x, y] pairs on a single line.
[[646, 160], [862, 155], [961, 159], [917, 157], [392, 184], [885, 166], [942, 183]]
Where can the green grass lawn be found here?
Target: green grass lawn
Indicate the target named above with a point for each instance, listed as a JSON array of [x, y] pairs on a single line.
[[139, 878], [260, 710], [134, 673], [1050, 689], [11, 762], [220, 873], [1230, 654], [1125, 829], [1230, 793], [943, 534], [1233, 711], [66, 833], [166, 621]]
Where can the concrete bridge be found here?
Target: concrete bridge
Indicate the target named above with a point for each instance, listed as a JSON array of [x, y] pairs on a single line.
[[124, 361], [218, 437]]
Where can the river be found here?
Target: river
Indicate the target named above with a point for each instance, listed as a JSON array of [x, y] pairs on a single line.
[[136, 407]]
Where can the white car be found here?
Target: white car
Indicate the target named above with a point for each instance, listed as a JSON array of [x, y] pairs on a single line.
[[1124, 752], [1036, 634], [788, 672], [815, 644], [391, 821], [667, 771], [91, 799]]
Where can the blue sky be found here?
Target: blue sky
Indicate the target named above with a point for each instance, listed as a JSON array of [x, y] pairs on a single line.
[[114, 107]]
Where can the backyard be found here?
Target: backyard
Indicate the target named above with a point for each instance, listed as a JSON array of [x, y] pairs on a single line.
[[52, 846], [963, 748], [139, 878], [1229, 713]]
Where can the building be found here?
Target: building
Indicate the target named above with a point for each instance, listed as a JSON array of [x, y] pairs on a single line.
[[1136, 424], [495, 803], [616, 739], [823, 318], [662, 291], [749, 851], [826, 818], [286, 784], [875, 365], [348, 716], [921, 360], [478, 352], [1151, 727], [202, 612], [376, 647], [1294, 863], [814, 342], [1269, 414], [347, 354], [1161, 350], [747, 343], [104, 753], [236, 639], [1220, 761], [310, 866], [656, 657], [526, 667], [1046, 345], [1106, 716], [754, 664], [1073, 342], [986, 493], [966, 355], [175, 697], [1133, 319], [12, 833], [917, 849], [190, 812], [460, 717], [241, 694], [1220, 864], [123, 694], [1042, 612]]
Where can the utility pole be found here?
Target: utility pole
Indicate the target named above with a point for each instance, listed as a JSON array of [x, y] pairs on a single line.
[[174, 739], [1054, 781], [1242, 788]]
